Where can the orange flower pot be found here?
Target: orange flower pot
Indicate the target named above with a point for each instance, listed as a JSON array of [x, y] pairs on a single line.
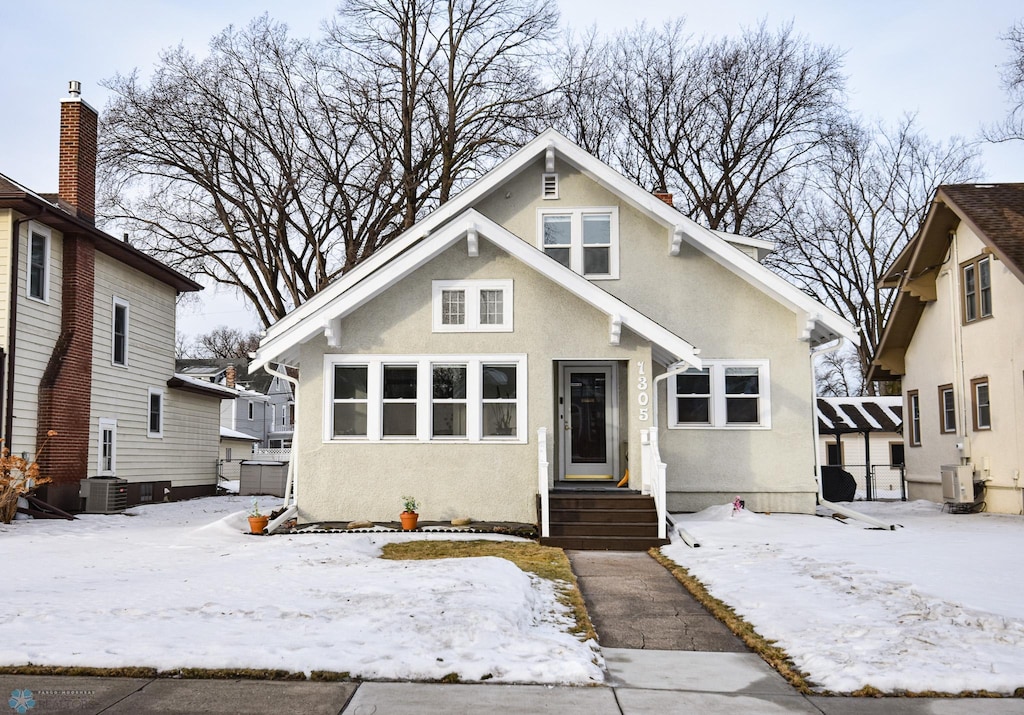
[[409, 519], [258, 523]]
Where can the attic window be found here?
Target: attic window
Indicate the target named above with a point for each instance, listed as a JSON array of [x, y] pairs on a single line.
[[549, 186]]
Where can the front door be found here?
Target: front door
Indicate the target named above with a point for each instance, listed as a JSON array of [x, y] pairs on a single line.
[[589, 424]]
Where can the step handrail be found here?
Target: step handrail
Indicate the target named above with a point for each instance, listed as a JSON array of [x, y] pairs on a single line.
[[543, 482]]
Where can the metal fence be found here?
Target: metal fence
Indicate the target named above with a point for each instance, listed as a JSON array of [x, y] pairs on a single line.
[[878, 482]]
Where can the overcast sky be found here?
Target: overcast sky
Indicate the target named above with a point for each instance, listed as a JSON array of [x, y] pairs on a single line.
[[939, 59]]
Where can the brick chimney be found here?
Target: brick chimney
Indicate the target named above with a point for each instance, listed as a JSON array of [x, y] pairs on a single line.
[[229, 376], [77, 172], [664, 196], [65, 387]]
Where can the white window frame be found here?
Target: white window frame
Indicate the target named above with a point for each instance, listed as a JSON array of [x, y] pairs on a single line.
[[159, 433], [102, 470], [717, 401], [115, 304], [472, 290], [424, 397], [250, 410], [35, 229], [576, 237]]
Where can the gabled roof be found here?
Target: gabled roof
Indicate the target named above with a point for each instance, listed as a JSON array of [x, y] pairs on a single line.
[[319, 317], [993, 212], [815, 322], [839, 415], [15, 196], [200, 387]]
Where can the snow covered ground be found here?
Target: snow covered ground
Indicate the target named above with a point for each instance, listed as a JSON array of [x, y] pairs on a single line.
[[180, 585], [936, 605]]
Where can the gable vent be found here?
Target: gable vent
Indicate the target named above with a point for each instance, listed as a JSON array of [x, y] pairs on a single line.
[[549, 186]]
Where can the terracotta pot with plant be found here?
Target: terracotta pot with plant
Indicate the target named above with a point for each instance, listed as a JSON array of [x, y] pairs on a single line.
[[257, 520], [409, 516]]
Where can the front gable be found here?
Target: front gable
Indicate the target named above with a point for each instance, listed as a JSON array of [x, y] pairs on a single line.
[[648, 238]]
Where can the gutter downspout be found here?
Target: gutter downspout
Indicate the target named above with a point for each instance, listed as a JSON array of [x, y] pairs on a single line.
[[290, 491], [673, 369], [815, 352], [12, 329]]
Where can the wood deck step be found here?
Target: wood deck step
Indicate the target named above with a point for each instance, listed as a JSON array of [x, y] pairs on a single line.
[[613, 521]]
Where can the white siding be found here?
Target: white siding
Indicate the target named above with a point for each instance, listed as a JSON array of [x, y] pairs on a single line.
[[186, 454], [37, 331]]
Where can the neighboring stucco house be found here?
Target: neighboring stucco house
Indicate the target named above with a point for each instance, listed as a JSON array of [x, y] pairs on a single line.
[[863, 435], [956, 338], [263, 404], [517, 340], [87, 343]]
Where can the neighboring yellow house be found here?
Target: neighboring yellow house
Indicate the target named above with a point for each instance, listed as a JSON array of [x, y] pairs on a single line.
[[87, 343], [532, 341], [956, 338]]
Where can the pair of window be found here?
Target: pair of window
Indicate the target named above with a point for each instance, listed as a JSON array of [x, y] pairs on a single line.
[[472, 306], [439, 398], [977, 289], [722, 394], [583, 240], [981, 413]]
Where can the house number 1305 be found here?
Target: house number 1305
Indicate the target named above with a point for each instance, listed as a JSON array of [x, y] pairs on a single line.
[[642, 397]]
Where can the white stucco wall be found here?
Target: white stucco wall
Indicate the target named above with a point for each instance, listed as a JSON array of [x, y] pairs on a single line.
[[944, 351]]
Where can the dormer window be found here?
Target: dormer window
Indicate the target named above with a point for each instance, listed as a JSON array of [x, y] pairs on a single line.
[[472, 306], [583, 240]]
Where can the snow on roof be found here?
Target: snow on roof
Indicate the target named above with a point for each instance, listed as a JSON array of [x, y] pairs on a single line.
[[860, 414], [204, 385], [228, 433]]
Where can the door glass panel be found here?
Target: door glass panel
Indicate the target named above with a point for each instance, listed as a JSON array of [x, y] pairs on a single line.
[[588, 401]]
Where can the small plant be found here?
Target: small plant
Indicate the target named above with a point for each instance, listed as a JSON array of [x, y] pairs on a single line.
[[18, 477], [255, 511], [410, 505]]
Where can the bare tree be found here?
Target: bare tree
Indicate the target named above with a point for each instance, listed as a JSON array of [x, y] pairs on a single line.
[[855, 211], [1012, 127], [225, 343], [723, 123], [458, 82], [249, 167], [584, 108]]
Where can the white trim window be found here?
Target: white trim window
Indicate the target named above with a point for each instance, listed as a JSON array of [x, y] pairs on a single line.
[[424, 398], [119, 332], [155, 421], [724, 394], [472, 306], [585, 241], [38, 263], [106, 451], [250, 410]]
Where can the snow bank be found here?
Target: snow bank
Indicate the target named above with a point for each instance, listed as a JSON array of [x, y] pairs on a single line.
[[932, 606], [180, 585]]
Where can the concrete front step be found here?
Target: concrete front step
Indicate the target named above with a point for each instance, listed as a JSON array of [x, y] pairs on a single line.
[[604, 543]]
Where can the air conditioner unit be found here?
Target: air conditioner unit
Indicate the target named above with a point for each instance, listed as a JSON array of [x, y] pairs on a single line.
[[958, 483], [104, 495]]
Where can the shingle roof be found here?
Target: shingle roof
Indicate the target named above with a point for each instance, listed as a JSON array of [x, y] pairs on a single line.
[[997, 210], [859, 414]]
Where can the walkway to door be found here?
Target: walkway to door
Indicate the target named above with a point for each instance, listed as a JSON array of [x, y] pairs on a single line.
[[634, 602]]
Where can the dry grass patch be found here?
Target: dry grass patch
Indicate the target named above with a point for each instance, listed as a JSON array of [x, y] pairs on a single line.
[[547, 562], [771, 653]]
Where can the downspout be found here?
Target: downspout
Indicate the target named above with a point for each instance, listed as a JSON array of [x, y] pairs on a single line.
[[815, 352], [673, 369], [290, 492]]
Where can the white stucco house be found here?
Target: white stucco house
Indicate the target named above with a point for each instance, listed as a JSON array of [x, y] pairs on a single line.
[[552, 329], [955, 337]]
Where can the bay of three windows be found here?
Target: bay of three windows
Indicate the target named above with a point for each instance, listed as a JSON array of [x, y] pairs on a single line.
[[438, 398]]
